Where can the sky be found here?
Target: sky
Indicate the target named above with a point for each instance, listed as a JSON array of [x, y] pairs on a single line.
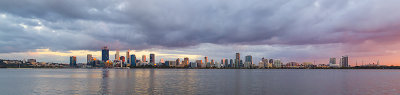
[[289, 30]]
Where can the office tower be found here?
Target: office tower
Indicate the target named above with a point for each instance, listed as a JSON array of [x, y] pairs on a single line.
[[186, 61], [237, 60], [89, 59], [345, 61], [206, 60], [277, 63], [117, 55], [199, 62], [248, 61], [122, 59], [238, 56], [133, 60], [226, 63], [72, 61], [212, 64], [152, 59], [223, 62], [128, 58], [231, 63], [178, 61], [105, 54], [144, 58], [332, 60], [249, 58]]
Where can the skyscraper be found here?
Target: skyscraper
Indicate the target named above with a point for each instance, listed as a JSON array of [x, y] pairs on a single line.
[[345, 61], [89, 59], [237, 60], [72, 61], [206, 60], [133, 60], [248, 61], [143, 58], [186, 61], [332, 60], [105, 54], [249, 58], [178, 61], [152, 59], [128, 58], [117, 55], [231, 63], [226, 63]]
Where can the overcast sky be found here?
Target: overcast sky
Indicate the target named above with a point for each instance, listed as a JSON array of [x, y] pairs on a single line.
[[290, 30]]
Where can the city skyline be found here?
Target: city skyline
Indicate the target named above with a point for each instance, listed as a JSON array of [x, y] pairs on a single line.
[[53, 31]]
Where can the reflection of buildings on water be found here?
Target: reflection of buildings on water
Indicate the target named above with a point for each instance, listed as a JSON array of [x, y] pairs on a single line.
[[104, 82]]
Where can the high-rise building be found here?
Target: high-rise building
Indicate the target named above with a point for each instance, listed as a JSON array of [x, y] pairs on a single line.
[[122, 59], [133, 60], [89, 59], [128, 58], [72, 61], [237, 60], [105, 54], [117, 55], [344, 61], [223, 62], [144, 58], [249, 58], [332, 60], [199, 63], [178, 61], [206, 60], [248, 61], [152, 59], [231, 63], [186, 61], [226, 63]]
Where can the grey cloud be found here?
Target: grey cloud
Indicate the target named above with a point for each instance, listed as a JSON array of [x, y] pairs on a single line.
[[144, 24]]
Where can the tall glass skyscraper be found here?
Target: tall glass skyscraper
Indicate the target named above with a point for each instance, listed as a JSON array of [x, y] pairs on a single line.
[[249, 58], [105, 54], [133, 60], [72, 61], [152, 59]]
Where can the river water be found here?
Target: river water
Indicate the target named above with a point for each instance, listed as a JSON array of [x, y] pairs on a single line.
[[199, 81]]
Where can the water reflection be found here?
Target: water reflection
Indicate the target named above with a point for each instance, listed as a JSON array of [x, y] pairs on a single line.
[[197, 81]]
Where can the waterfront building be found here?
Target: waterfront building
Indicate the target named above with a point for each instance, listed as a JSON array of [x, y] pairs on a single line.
[[170, 63], [193, 64], [128, 58], [105, 54], [122, 60], [292, 65], [117, 55], [345, 61], [231, 63], [133, 60], [72, 61], [89, 59], [152, 59], [205, 62], [186, 61], [32, 61], [144, 58], [249, 61], [178, 62], [277, 63], [199, 63], [226, 63], [237, 60]]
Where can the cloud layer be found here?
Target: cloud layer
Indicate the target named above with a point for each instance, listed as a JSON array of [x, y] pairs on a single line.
[[359, 27]]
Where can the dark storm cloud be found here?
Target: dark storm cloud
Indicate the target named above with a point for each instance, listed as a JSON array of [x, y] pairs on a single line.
[[143, 24]]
